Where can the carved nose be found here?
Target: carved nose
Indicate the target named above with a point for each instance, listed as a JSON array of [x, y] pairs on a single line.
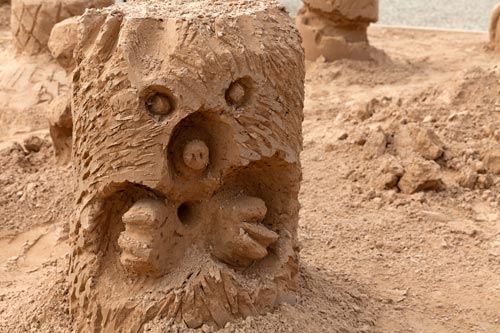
[[196, 155]]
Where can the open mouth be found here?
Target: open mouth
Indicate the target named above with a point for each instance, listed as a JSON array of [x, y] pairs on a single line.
[[152, 234], [231, 230], [209, 226]]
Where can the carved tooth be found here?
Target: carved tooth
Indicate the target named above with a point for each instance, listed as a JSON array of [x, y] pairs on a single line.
[[249, 209], [260, 233], [141, 238], [247, 239], [249, 248], [146, 214]]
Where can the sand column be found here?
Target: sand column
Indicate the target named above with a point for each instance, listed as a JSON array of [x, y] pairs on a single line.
[[336, 29], [495, 28]]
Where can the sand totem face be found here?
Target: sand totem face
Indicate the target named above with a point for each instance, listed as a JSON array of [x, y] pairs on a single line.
[[187, 133]]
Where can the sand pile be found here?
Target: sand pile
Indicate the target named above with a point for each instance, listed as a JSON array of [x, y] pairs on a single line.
[[411, 145]]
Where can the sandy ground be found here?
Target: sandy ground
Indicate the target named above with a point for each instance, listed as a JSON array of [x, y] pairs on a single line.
[[373, 259]]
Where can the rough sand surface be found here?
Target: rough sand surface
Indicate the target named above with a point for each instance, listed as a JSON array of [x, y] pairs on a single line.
[[185, 203], [372, 259]]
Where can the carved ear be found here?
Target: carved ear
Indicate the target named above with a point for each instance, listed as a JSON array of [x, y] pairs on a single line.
[[98, 33], [108, 36], [89, 25], [62, 42], [152, 37]]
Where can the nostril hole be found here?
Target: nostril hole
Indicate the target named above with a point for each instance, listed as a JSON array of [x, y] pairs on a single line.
[[187, 213], [237, 93], [158, 101]]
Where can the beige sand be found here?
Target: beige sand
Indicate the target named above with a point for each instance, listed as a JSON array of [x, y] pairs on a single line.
[[372, 257], [33, 87]]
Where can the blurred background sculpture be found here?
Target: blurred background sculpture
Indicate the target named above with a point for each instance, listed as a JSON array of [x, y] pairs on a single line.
[[34, 87], [33, 20], [337, 29], [494, 30]]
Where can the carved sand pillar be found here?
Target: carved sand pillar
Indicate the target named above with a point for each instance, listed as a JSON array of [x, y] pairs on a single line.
[[32, 20], [336, 29], [61, 44], [187, 133], [61, 127], [495, 28]]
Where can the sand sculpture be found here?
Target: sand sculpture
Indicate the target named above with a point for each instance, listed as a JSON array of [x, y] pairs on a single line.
[[32, 20], [31, 82], [27, 85], [495, 28], [337, 29], [187, 132], [62, 42]]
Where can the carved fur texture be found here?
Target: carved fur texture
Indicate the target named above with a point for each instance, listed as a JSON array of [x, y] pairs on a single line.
[[186, 141]]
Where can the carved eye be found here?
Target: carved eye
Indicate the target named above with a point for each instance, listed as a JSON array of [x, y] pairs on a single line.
[[239, 91], [158, 101], [159, 104]]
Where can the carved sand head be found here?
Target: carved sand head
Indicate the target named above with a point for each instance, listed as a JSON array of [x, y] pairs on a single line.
[[186, 141]]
